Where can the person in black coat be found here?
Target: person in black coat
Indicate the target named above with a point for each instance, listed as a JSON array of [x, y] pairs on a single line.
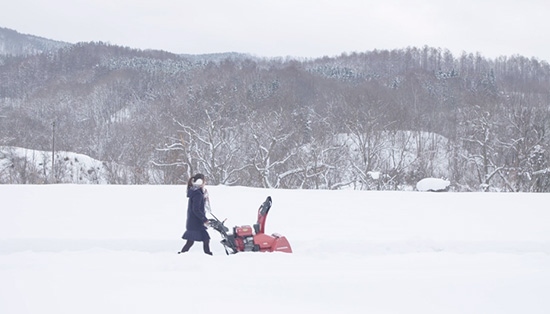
[[196, 216]]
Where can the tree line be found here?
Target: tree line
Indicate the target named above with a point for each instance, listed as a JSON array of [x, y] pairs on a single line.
[[380, 119]]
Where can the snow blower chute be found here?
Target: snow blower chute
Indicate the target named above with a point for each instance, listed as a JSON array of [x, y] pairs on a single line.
[[248, 239]]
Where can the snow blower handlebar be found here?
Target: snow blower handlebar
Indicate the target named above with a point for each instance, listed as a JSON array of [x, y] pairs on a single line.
[[218, 225]]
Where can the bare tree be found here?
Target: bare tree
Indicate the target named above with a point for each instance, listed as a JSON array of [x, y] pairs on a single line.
[[273, 148], [481, 145], [211, 147], [366, 140]]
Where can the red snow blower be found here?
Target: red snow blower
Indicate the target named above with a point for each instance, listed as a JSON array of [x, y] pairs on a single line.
[[247, 239]]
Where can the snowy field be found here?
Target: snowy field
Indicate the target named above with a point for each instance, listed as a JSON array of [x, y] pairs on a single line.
[[80, 249]]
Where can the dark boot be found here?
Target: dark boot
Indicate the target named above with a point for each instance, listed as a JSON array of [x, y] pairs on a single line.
[[206, 247], [187, 246]]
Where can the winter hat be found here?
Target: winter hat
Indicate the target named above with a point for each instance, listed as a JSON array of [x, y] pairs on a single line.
[[196, 181]]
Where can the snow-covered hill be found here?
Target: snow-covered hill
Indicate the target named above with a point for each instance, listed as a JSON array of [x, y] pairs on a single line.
[[15, 162], [21, 165], [14, 43], [112, 249]]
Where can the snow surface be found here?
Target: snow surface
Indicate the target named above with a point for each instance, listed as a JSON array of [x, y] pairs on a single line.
[[112, 249]]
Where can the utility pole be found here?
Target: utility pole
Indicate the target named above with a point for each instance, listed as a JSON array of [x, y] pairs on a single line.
[[53, 152]]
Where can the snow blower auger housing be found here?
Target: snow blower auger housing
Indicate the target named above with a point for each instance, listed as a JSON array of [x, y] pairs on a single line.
[[251, 239]]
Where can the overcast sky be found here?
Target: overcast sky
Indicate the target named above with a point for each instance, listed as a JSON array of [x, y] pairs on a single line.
[[296, 28]]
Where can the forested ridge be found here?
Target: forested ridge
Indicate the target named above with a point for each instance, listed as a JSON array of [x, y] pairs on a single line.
[[380, 119]]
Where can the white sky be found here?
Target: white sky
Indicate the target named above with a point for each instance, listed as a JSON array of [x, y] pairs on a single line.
[[297, 28]]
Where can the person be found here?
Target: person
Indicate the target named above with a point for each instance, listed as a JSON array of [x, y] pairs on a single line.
[[196, 216]]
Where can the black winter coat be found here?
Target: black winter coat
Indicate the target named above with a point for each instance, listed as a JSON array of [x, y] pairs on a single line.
[[196, 217]]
